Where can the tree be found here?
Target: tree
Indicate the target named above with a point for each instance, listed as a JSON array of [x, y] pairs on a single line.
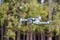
[[10, 10]]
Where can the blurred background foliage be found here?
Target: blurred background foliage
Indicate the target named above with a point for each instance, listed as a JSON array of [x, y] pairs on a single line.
[[10, 10]]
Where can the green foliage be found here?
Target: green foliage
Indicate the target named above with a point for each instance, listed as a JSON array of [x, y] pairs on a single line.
[[11, 11], [11, 34], [3, 11]]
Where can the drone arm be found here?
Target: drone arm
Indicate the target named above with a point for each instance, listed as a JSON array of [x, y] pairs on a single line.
[[23, 19], [41, 22], [44, 22]]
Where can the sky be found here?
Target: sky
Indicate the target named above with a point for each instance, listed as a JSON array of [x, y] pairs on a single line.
[[1, 1]]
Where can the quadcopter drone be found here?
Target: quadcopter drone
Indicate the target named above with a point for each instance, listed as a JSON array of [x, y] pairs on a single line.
[[36, 20]]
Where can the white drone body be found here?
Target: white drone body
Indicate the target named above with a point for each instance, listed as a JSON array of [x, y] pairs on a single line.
[[34, 20]]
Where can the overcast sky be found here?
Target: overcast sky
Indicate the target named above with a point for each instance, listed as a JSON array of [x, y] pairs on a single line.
[[0, 1]]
